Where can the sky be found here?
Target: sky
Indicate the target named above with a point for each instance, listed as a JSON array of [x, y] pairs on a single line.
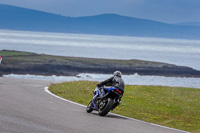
[[168, 11]]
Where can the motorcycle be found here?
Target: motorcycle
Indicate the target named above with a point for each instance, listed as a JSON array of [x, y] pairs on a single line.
[[104, 100]]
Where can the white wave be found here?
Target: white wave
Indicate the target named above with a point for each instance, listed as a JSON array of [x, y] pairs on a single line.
[[129, 79]]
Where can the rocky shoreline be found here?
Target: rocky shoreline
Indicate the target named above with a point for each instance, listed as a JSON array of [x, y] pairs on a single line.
[[38, 64]]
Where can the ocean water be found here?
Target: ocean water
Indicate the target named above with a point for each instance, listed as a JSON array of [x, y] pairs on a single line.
[[174, 51]]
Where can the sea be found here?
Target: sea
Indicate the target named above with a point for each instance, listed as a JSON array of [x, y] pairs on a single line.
[[180, 52]]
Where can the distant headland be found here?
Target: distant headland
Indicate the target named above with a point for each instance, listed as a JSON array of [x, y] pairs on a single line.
[[17, 62]]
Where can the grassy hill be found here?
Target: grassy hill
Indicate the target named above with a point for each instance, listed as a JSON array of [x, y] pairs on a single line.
[[30, 63]]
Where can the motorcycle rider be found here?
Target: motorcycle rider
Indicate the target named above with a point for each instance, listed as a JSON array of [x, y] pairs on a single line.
[[116, 84], [115, 81]]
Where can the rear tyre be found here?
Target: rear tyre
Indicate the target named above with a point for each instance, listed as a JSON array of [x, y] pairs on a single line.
[[104, 110], [89, 107]]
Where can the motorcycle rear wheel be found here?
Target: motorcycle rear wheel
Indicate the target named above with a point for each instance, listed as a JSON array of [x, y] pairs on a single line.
[[104, 111]]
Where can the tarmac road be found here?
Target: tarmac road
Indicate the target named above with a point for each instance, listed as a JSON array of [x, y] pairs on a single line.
[[25, 107]]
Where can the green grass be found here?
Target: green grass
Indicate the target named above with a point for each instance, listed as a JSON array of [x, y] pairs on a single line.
[[13, 53], [174, 107], [32, 58]]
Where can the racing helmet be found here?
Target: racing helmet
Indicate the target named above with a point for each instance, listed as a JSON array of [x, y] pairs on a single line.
[[117, 73]]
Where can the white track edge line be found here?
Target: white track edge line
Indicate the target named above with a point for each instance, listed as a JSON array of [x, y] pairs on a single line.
[[47, 90]]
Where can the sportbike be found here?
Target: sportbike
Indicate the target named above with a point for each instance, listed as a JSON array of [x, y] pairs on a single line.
[[104, 100]]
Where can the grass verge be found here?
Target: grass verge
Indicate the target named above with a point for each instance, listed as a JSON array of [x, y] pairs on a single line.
[[174, 107]]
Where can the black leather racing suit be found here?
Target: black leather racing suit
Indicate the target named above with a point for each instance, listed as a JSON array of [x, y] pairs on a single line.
[[113, 81], [117, 82]]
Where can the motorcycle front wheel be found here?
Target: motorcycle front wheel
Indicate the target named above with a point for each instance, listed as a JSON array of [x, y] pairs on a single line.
[[89, 107], [106, 108]]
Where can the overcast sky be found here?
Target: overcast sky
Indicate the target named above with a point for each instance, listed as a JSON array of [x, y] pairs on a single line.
[[169, 11]]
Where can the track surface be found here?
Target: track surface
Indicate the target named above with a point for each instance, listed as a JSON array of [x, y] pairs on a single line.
[[26, 108]]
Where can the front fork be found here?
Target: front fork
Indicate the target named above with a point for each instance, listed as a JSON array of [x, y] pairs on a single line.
[[96, 93]]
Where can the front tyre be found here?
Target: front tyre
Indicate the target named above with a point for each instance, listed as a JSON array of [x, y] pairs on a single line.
[[105, 109], [89, 107]]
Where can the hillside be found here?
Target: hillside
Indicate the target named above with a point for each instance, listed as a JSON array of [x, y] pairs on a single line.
[[17, 18], [39, 64]]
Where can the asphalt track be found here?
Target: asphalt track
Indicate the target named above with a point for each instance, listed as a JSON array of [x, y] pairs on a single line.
[[25, 107]]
